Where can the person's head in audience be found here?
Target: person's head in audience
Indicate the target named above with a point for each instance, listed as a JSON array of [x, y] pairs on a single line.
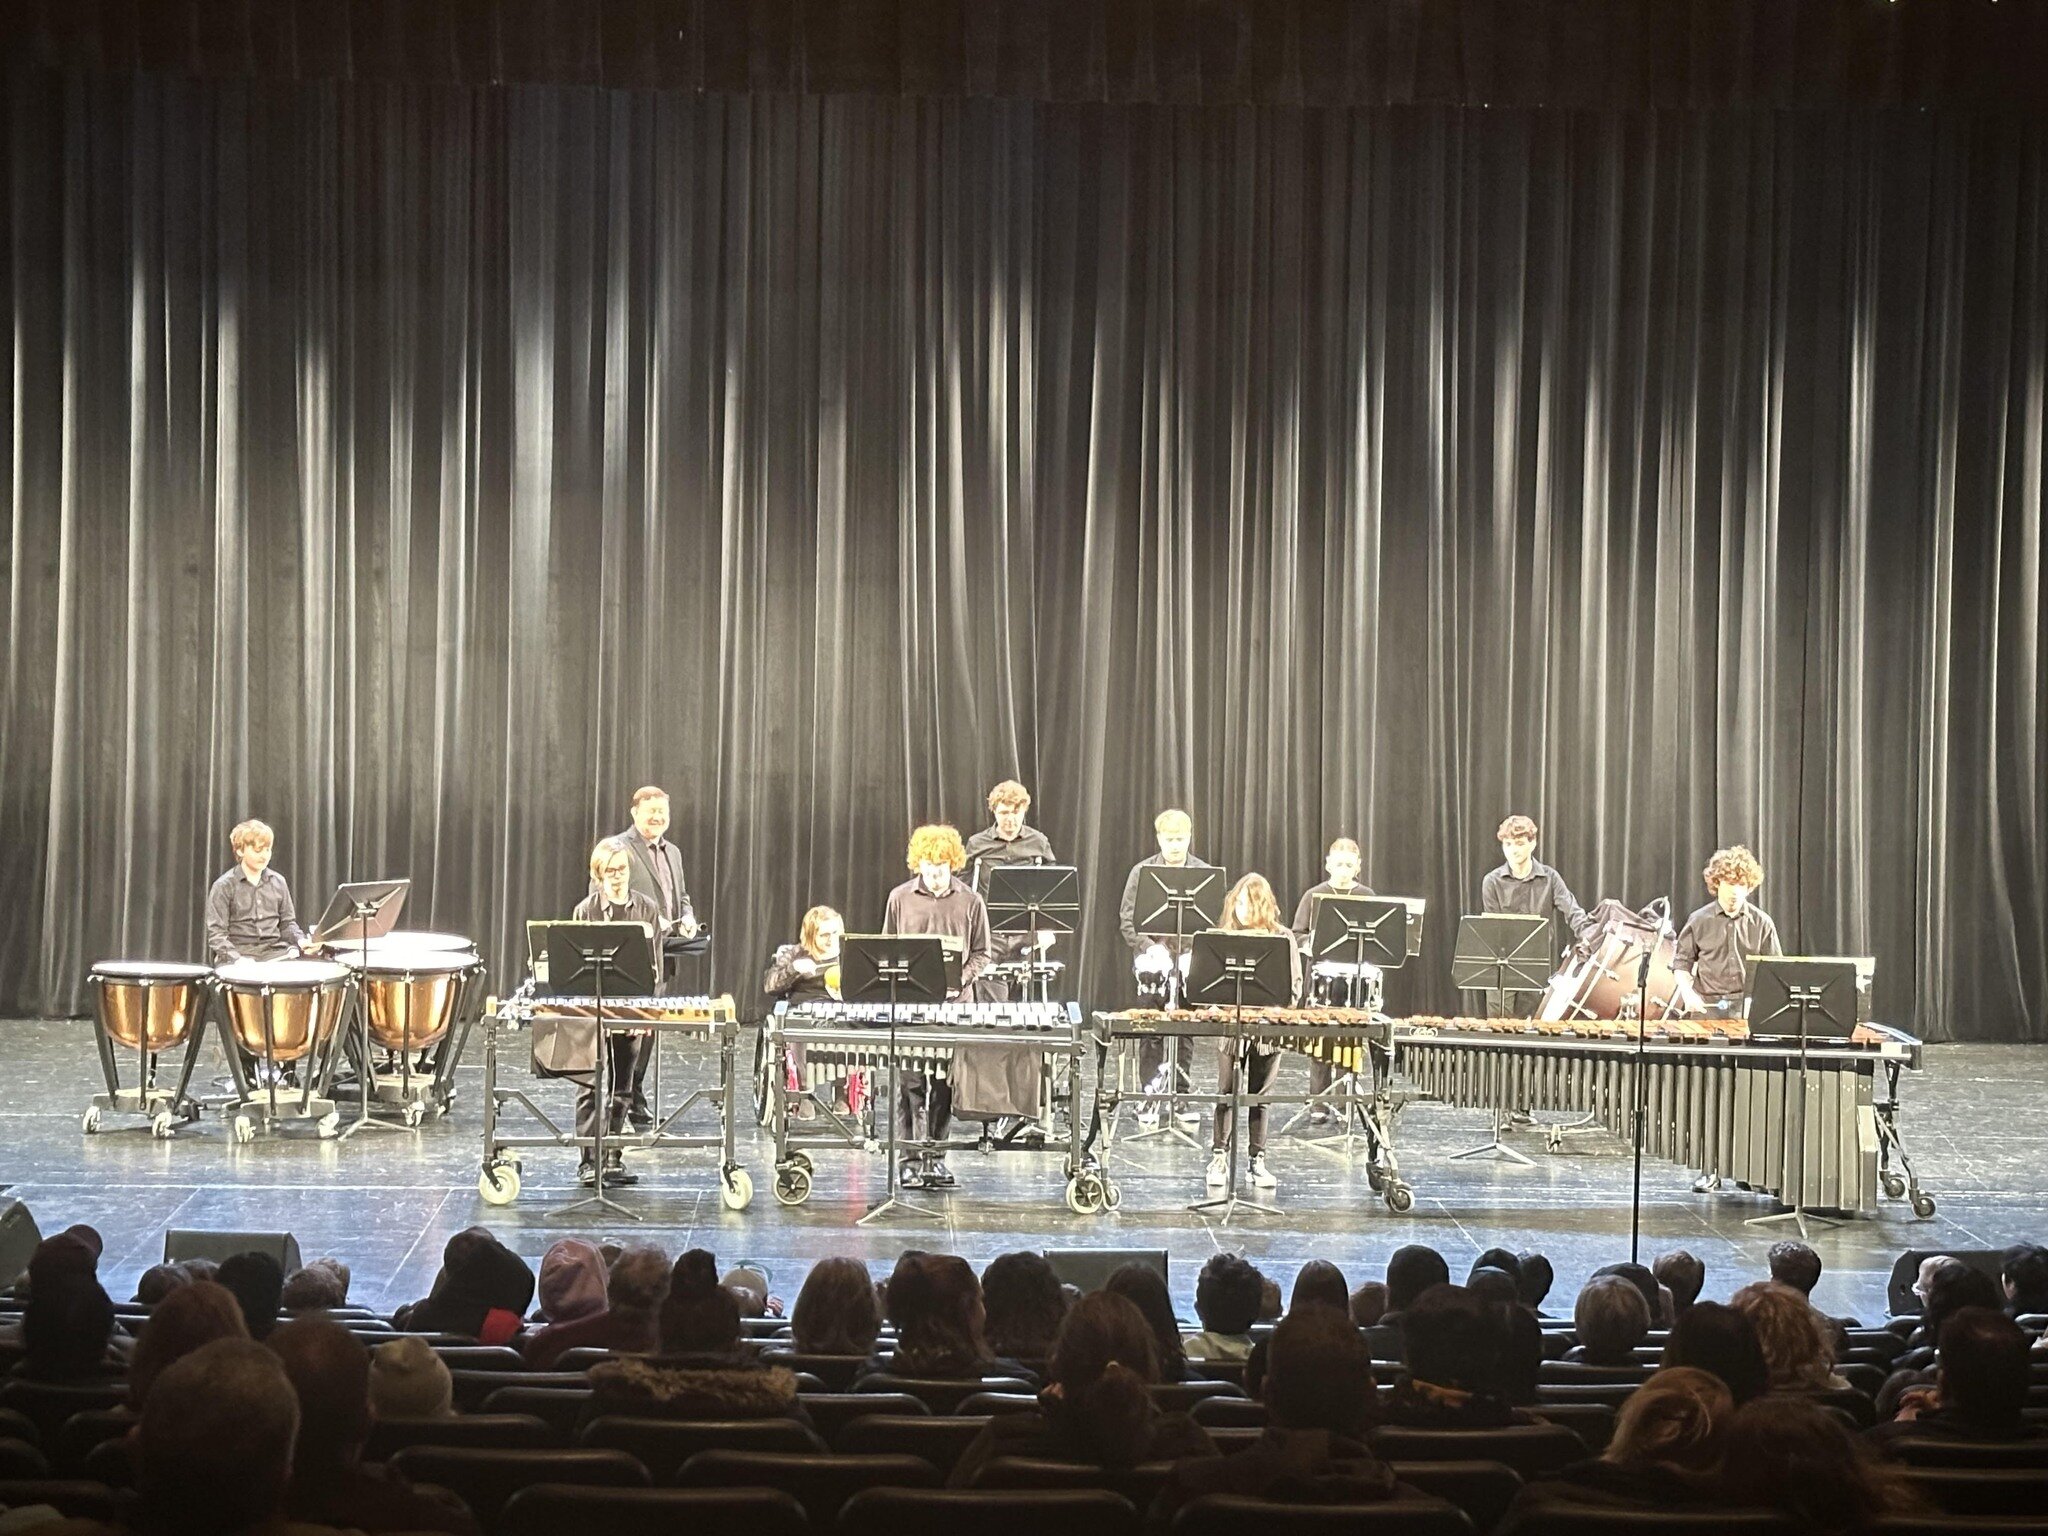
[[572, 1281], [73, 1252], [935, 1302], [1683, 1275], [749, 1286], [1500, 1259], [1411, 1271], [1954, 1287], [1228, 1295], [1369, 1303], [1534, 1275], [1798, 1346], [1322, 1283], [1983, 1374], [329, 1369], [158, 1281], [1610, 1320], [1270, 1304], [1319, 1374], [700, 1316], [1145, 1288], [1796, 1265], [320, 1286], [66, 1324], [1639, 1276], [1521, 1359], [257, 1281], [1789, 1453], [2023, 1270], [214, 1448], [1102, 1370], [1674, 1420], [1719, 1340], [192, 1316], [637, 1287], [1455, 1340], [1923, 1278], [409, 1381], [1494, 1285], [837, 1311], [200, 1269], [1022, 1305]]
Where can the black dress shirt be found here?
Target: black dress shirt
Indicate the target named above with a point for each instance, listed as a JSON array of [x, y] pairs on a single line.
[[987, 848], [246, 921], [959, 914], [1712, 944], [1305, 909], [1128, 912], [1541, 894]]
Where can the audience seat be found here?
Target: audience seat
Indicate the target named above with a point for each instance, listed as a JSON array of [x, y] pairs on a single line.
[[940, 1441], [1229, 1412], [1937, 1452], [82, 1433], [73, 1498], [484, 1478], [663, 1445], [1229, 1438], [1140, 1483], [1861, 1410], [1984, 1490], [562, 1509], [940, 1396], [832, 1411], [1604, 1520], [837, 1372], [582, 1358], [1221, 1514], [1231, 1371], [1591, 1422], [20, 1460], [1867, 1379], [111, 1462], [949, 1512], [561, 1408], [995, 1403], [1576, 1373], [473, 1389], [510, 1430], [1533, 1450], [822, 1484], [50, 1403], [16, 1425], [480, 1357], [1483, 1489], [1183, 1395], [1961, 1525], [1569, 1394]]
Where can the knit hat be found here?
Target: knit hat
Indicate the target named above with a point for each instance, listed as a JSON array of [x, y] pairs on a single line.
[[571, 1281], [409, 1381]]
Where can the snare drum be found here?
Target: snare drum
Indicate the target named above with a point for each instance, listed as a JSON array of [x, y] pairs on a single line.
[[413, 996], [286, 1009], [1346, 984], [149, 1005]]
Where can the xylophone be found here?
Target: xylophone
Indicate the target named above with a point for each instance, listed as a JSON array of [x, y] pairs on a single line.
[[1714, 1098], [706, 1018], [835, 1040]]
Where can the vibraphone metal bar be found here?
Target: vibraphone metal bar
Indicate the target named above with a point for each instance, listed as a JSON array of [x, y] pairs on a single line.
[[839, 1039], [707, 1017], [1350, 1039], [1713, 1098]]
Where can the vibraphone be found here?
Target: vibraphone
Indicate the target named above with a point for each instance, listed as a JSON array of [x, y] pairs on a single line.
[[839, 1039], [1350, 1039], [709, 1018], [1713, 1098]]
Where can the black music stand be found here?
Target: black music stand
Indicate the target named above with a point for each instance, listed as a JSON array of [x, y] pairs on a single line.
[[357, 912], [619, 960], [1240, 969], [900, 968], [1358, 930], [1175, 901], [1033, 899], [1498, 953], [1802, 999]]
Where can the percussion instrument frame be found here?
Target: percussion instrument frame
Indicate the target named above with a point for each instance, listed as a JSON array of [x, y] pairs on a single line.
[[262, 1100], [160, 1108], [412, 1092]]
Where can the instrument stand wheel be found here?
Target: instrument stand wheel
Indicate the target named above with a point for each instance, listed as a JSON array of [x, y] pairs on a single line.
[[792, 1183], [89, 1122], [801, 1160], [244, 1129], [1894, 1184], [498, 1184], [327, 1125], [162, 1126], [736, 1188], [1087, 1192], [1376, 1179], [1400, 1198], [415, 1114], [190, 1112], [1923, 1204]]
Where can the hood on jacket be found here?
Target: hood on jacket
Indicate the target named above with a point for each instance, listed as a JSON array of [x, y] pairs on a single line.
[[666, 1388]]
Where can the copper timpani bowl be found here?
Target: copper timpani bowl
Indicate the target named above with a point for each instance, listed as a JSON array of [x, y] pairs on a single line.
[[412, 995], [301, 1000], [148, 1004]]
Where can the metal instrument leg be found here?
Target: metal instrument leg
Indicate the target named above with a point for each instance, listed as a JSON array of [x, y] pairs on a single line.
[[1495, 1147]]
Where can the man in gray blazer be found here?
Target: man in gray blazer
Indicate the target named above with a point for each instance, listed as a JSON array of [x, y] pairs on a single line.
[[657, 874]]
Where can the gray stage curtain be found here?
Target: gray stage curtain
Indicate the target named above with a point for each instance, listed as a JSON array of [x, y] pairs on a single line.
[[421, 467]]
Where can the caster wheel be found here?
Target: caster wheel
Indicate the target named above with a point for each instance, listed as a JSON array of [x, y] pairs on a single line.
[[415, 1114], [1923, 1206], [1376, 1180], [1112, 1195], [89, 1122], [1084, 1194], [1400, 1198], [245, 1130], [803, 1161], [1894, 1185], [327, 1126], [736, 1189], [792, 1184], [499, 1184], [162, 1126], [190, 1114]]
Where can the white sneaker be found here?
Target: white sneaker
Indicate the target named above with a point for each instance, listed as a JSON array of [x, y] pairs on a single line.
[[1219, 1170], [1187, 1114], [1262, 1176], [1148, 1116]]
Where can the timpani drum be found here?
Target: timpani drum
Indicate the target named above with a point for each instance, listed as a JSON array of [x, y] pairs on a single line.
[[282, 1012], [146, 1007], [416, 938], [413, 996]]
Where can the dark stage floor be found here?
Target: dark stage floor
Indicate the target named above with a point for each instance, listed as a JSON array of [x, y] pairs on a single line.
[[387, 1201]]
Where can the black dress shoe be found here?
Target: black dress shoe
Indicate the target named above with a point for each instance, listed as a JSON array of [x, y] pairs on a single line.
[[937, 1175], [639, 1114], [616, 1171]]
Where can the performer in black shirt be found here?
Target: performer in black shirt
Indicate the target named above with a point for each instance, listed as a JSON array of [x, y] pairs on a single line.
[[1249, 908], [614, 901], [1715, 941], [1009, 841], [1152, 960], [808, 972], [249, 912], [1524, 886], [1342, 864], [656, 867]]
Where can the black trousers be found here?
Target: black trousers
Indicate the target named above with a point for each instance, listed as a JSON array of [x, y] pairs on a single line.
[[630, 1054], [1263, 1065], [924, 1108]]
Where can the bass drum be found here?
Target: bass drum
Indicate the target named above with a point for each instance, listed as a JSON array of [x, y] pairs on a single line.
[[1596, 986]]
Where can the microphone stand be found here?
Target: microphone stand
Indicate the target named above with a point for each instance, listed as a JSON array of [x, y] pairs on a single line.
[[1637, 1115]]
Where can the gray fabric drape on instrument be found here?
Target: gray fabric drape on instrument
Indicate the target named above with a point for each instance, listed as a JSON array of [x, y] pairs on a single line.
[[424, 466]]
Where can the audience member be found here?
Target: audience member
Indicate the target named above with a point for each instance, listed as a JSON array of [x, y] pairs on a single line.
[[1494, 1285], [1796, 1265], [630, 1323], [1369, 1304], [257, 1282], [67, 1324], [1639, 1276], [1022, 1305], [2023, 1270], [1788, 1453], [1500, 1259], [700, 1319], [1411, 1271], [409, 1381], [1610, 1321], [191, 1317], [1536, 1277], [1665, 1454], [572, 1282], [1097, 1407], [329, 1370], [158, 1281], [1683, 1275], [749, 1286], [837, 1311], [1145, 1288], [1953, 1286], [935, 1303], [1798, 1343], [1322, 1282], [320, 1286], [700, 1372], [1719, 1340], [482, 1292], [1980, 1386], [1229, 1293], [214, 1448], [1270, 1304], [1456, 1348], [1321, 1402]]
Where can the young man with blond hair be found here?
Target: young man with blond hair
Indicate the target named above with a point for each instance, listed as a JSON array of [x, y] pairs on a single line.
[[1156, 958], [614, 901], [1522, 885], [1009, 840], [249, 912], [1719, 937]]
